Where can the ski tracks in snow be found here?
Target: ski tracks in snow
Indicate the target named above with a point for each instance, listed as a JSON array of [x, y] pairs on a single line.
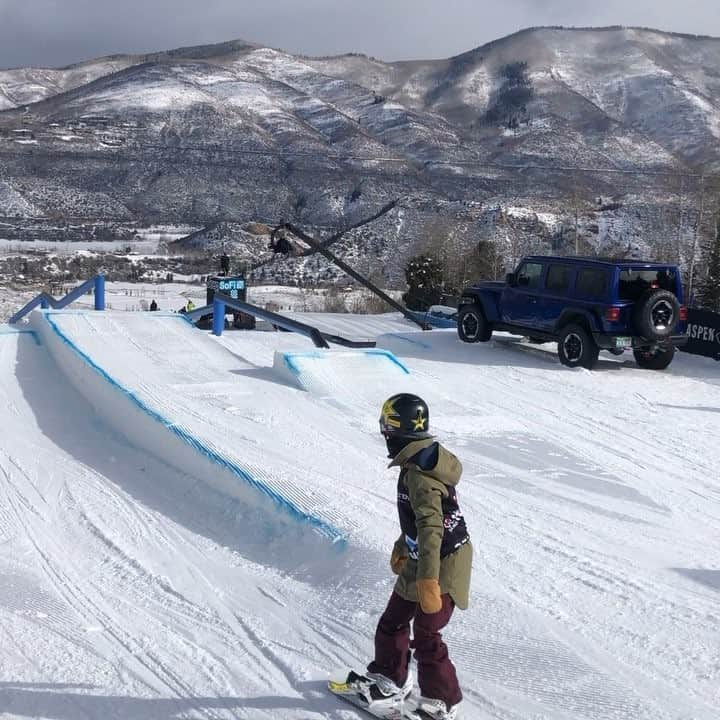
[[578, 518], [143, 609], [100, 585], [639, 637]]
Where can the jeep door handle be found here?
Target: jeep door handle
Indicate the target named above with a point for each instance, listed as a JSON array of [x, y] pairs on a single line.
[[532, 300]]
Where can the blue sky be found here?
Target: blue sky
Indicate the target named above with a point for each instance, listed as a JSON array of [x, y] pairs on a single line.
[[58, 32]]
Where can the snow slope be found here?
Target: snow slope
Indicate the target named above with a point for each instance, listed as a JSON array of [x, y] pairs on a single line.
[[124, 591], [24, 86], [142, 582]]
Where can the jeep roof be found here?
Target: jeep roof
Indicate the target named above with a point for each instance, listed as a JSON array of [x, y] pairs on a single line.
[[579, 260]]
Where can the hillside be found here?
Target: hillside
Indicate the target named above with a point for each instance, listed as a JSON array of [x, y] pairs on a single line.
[[607, 122], [628, 85]]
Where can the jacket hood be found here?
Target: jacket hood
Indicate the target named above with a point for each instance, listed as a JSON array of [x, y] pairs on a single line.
[[432, 459]]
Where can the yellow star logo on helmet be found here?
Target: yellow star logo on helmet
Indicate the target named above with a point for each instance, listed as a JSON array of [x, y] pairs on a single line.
[[419, 422], [389, 416]]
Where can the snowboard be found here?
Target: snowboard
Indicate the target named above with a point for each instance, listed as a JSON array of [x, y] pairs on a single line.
[[357, 690]]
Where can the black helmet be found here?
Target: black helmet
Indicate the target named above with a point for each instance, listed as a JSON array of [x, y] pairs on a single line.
[[405, 416]]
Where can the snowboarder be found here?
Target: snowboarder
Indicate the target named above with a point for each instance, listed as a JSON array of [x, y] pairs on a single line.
[[153, 306], [432, 559], [190, 306]]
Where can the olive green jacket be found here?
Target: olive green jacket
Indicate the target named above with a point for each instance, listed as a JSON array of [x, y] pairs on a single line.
[[426, 489]]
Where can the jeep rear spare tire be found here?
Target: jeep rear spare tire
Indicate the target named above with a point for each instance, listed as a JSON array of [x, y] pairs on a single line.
[[472, 326], [656, 314], [577, 348]]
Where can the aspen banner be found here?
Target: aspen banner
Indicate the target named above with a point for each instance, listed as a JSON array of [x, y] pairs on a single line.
[[703, 331]]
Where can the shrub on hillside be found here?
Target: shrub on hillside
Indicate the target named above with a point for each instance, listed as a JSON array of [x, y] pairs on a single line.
[[424, 276]]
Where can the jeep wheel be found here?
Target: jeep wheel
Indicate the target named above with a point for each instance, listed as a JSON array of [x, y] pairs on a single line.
[[472, 325], [576, 347], [656, 314], [657, 359]]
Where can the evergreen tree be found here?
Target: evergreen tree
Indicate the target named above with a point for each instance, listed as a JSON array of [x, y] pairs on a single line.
[[709, 294], [424, 276], [513, 96]]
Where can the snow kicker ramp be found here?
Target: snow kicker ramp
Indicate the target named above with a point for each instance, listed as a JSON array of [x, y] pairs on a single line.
[[182, 396], [344, 376]]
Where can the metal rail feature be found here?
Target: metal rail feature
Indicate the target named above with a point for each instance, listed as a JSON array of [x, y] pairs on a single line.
[[45, 300]]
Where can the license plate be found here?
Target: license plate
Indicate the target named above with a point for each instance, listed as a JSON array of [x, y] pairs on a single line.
[[623, 342]]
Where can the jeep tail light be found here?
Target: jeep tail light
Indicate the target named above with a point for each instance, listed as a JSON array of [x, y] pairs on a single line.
[[612, 314], [683, 313]]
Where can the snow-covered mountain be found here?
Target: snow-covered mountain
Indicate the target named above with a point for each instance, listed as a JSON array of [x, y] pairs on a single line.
[[24, 86], [247, 133], [635, 86]]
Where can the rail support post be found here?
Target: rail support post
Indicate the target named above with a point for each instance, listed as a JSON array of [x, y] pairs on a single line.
[[100, 292], [218, 317]]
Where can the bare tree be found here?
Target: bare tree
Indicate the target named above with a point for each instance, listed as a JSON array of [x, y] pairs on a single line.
[[698, 231], [709, 290]]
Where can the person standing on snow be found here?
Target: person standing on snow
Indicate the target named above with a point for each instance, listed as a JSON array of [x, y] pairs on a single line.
[[432, 559]]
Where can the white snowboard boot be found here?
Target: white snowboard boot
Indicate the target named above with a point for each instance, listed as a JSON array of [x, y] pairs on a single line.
[[375, 693], [424, 708], [388, 688]]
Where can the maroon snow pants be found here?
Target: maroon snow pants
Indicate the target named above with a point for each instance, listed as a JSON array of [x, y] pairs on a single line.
[[436, 674]]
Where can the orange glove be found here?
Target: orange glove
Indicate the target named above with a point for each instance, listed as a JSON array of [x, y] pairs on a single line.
[[398, 558], [428, 590]]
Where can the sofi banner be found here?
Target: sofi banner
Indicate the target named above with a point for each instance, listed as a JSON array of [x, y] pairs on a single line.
[[703, 330]]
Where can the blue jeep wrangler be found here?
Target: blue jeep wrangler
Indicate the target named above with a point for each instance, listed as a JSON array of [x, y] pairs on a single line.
[[583, 304]]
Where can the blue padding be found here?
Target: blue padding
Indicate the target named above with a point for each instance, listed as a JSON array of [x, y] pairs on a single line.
[[390, 356], [289, 358], [438, 321], [293, 510]]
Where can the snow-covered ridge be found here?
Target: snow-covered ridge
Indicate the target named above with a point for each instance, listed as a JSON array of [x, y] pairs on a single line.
[[252, 134]]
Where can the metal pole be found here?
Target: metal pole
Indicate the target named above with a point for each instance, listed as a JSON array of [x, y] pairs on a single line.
[[218, 317], [320, 247], [100, 292]]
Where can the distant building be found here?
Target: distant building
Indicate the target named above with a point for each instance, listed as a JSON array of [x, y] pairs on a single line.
[[112, 140], [98, 121]]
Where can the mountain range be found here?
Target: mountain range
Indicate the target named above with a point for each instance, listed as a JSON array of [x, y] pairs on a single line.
[[549, 139]]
